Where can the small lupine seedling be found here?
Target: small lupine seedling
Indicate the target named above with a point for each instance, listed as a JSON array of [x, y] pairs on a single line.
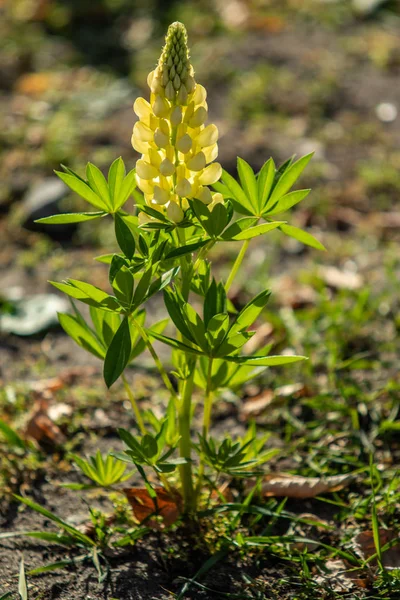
[[184, 204]]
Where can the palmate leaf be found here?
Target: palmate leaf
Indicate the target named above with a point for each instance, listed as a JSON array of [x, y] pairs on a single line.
[[116, 175], [287, 201], [242, 204], [265, 182], [288, 178], [76, 184], [98, 183]]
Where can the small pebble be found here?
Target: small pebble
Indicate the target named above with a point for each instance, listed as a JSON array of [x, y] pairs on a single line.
[[386, 112]]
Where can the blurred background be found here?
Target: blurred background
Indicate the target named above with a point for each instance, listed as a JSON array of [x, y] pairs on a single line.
[[283, 77]]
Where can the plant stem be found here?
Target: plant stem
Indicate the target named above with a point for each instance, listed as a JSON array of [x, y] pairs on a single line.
[[208, 400], [135, 407], [156, 359], [236, 265], [184, 418]]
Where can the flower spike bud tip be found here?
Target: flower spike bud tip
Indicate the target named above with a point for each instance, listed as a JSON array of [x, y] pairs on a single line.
[[177, 147]]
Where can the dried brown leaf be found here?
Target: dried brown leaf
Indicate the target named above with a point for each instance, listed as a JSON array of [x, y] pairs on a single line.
[[364, 545], [296, 486], [168, 505]]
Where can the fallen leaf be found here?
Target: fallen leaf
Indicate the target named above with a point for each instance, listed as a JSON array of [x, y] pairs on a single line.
[[168, 506], [41, 427], [294, 294], [364, 545], [256, 405], [224, 491], [341, 279], [296, 486], [339, 576]]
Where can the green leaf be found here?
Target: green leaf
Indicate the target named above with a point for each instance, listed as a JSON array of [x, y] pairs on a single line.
[[174, 308], [11, 436], [78, 535], [287, 201], [116, 176], [108, 302], [219, 219], [71, 218], [250, 312], [257, 230], [175, 344], [60, 564], [83, 336], [127, 188], [233, 343], [195, 325], [188, 249], [217, 329], [237, 227], [82, 189], [142, 287], [161, 282], [302, 236], [237, 194], [214, 301], [124, 236], [98, 183], [248, 181], [265, 181], [265, 361], [288, 178], [118, 354], [22, 587], [149, 446], [123, 286]]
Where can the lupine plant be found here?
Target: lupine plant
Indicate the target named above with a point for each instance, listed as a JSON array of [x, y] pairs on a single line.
[[184, 204]]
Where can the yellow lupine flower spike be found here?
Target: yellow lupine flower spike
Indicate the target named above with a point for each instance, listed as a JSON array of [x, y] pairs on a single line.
[[177, 148]]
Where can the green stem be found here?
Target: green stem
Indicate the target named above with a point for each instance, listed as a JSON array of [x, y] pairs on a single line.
[[156, 359], [185, 445], [208, 400], [135, 407], [236, 265]]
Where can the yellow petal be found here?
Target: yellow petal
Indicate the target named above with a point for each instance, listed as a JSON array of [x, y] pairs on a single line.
[[200, 94], [204, 194], [183, 188], [138, 145], [217, 199], [164, 126], [160, 106], [184, 144], [208, 136], [142, 109], [160, 196], [167, 168], [197, 162], [145, 185], [199, 117], [211, 153], [211, 174], [142, 132], [174, 212], [155, 158], [145, 170], [161, 139]]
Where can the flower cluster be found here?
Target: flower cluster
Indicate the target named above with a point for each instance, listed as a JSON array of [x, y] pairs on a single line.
[[177, 148]]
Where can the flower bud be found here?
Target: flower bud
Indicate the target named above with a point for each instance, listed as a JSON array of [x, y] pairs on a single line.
[[199, 117], [176, 116], [160, 107]]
